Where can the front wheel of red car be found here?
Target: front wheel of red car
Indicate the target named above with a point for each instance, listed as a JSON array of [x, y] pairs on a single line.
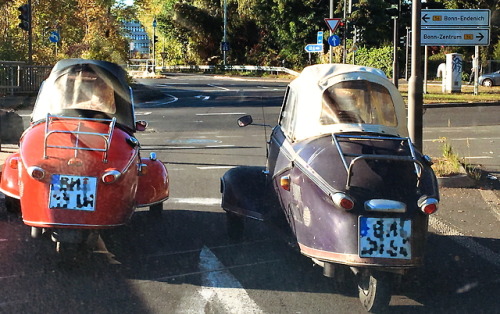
[[156, 209], [13, 205], [235, 226]]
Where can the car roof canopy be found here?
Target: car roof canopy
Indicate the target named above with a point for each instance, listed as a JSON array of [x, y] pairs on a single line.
[[60, 90], [307, 94]]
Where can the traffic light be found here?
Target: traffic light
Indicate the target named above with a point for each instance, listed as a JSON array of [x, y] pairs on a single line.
[[24, 17], [155, 38], [394, 8], [341, 28]]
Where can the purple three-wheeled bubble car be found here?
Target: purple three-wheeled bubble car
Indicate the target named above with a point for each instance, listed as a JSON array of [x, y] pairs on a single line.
[[343, 171]]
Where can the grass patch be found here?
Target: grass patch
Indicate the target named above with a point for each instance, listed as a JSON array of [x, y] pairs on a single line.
[[449, 163], [435, 94]]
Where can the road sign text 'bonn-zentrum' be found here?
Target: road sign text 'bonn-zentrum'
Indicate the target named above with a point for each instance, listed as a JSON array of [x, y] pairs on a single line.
[[442, 27]]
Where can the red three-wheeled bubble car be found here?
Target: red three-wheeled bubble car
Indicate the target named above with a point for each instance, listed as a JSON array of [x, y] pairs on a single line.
[[79, 167]]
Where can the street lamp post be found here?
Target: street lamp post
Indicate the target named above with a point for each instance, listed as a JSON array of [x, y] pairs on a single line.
[[415, 89]]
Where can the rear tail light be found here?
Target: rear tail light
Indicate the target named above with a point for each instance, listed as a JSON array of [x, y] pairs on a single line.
[[343, 200], [110, 176], [14, 162], [285, 183], [428, 205], [36, 173]]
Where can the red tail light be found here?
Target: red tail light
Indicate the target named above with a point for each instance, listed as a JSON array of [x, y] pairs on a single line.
[[428, 205], [36, 173], [110, 176], [14, 162], [343, 200]]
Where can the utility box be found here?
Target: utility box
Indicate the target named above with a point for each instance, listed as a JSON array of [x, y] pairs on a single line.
[[452, 80]]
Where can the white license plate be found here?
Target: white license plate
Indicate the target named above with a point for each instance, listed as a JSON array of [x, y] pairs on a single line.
[[384, 237], [72, 192]]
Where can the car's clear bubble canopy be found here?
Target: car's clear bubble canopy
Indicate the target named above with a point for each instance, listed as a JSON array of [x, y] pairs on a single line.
[[332, 98], [77, 86]]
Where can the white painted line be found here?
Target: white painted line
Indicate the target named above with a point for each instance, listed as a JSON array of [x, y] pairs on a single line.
[[464, 139], [465, 241], [479, 157], [215, 167], [143, 113], [220, 113], [223, 88], [220, 285], [196, 201], [218, 146]]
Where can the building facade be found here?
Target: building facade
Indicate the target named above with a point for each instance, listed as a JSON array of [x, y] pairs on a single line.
[[138, 38]]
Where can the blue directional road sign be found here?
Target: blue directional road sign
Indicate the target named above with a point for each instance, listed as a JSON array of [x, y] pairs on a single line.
[[334, 40], [314, 48], [319, 39], [54, 37]]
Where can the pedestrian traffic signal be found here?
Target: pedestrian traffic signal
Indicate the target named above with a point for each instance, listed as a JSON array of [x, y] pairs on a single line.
[[24, 17], [394, 8]]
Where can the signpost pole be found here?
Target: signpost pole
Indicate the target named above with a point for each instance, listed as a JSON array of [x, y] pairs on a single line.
[[415, 95], [331, 33], [476, 69]]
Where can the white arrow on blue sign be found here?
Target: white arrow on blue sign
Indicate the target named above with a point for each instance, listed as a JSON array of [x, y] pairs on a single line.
[[314, 48], [54, 37], [334, 40]]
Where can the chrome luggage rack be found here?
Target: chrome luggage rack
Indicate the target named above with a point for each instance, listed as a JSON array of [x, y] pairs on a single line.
[[105, 136], [411, 157]]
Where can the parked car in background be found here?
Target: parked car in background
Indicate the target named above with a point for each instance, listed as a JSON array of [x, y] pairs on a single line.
[[490, 79]]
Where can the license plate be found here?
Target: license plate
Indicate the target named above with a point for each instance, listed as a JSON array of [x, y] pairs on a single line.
[[384, 237], [72, 192]]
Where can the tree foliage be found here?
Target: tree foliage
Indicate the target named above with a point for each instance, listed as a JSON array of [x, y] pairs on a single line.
[[87, 28]]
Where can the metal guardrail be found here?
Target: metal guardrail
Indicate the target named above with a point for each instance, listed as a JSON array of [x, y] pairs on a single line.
[[20, 78], [251, 68], [144, 67]]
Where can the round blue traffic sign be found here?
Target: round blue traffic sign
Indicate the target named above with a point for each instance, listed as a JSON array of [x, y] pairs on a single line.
[[54, 37], [334, 40]]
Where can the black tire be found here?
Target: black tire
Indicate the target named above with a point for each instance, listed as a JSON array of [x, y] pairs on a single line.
[[69, 252], [488, 83], [235, 226], [375, 289], [13, 205], [156, 209]]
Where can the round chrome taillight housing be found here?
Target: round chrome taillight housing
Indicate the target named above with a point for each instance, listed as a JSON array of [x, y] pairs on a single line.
[[36, 172], [343, 200], [110, 176], [428, 205]]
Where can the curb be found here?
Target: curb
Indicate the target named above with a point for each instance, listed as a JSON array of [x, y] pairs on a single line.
[[457, 181]]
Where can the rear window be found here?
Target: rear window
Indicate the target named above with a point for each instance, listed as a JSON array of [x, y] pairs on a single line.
[[358, 101]]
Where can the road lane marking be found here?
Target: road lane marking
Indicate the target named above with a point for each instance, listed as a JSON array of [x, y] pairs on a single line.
[[465, 241], [196, 201], [223, 88], [218, 283], [220, 113], [215, 167]]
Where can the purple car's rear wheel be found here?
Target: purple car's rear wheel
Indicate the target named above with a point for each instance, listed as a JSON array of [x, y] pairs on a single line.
[[375, 290]]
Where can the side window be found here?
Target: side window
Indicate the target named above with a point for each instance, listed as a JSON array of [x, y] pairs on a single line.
[[287, 118]]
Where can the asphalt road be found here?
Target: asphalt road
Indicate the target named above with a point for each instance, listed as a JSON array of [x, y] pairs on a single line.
[[184, 261]]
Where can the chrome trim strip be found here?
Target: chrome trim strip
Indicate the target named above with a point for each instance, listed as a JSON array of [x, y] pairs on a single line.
[[383, 205]]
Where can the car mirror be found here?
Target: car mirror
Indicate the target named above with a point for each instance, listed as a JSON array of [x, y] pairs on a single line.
[[141, 125], [245, 120]]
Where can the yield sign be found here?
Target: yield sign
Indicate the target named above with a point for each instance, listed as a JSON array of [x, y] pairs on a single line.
[[332, 24]]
